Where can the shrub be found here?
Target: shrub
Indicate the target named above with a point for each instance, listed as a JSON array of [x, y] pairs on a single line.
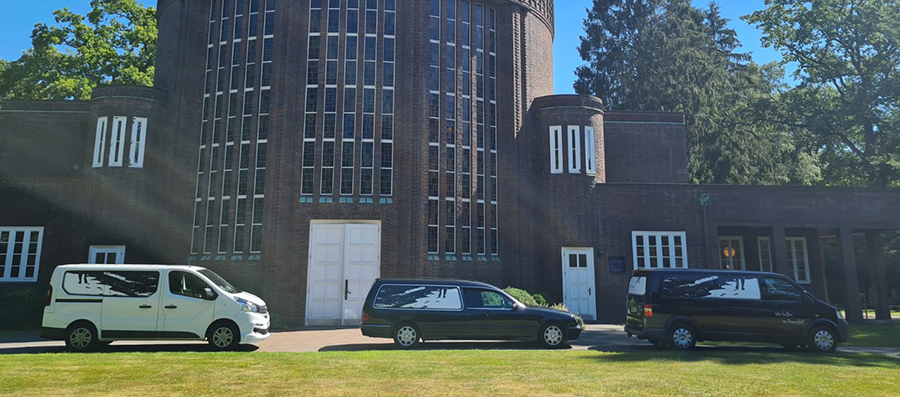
[[540, 300], [24, 309], [521, 296]]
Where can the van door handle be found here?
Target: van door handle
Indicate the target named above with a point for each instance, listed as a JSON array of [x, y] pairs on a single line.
[[346, 289], [145, 307], [171, 307]]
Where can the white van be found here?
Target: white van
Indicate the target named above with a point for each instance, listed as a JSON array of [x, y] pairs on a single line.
[[91, 305]]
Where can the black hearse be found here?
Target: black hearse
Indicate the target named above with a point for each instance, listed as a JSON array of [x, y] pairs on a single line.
[[412, 310], [679, 307]]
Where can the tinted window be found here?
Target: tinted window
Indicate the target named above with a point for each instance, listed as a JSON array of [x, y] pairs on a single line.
[[709, 286], [638, 286], [187, 284], [132, 284], [418, 297], [484, 299], [776, 289]]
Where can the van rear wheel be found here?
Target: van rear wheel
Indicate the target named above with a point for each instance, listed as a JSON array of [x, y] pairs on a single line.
[[81, 337], [682, 336], [224, 336]]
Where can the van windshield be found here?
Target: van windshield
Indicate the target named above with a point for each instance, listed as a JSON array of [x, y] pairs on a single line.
[[219, 281]]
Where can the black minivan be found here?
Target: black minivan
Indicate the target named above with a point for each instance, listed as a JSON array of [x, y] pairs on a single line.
[[679, 307], [412, 310]]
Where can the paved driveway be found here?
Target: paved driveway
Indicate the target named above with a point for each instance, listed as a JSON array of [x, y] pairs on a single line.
[[594, 337]]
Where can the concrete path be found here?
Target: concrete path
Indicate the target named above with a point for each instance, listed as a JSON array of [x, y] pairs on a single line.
[[608, 338]]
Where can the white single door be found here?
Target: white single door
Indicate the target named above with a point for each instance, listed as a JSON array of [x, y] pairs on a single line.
[[579, 292], [361, 268], [107, 254], [326, 283]]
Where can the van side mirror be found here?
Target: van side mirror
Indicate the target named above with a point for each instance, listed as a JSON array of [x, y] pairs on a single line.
[[208, 294]]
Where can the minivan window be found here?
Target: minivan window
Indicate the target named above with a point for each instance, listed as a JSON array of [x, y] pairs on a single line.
[[777, 289], [484, 299], [637, 286], [187, 284], [131, 284], [418, 297], [219, 281], [709, 286]]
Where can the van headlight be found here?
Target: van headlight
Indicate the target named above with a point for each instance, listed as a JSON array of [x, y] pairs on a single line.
[[247, 306], [840, 316]]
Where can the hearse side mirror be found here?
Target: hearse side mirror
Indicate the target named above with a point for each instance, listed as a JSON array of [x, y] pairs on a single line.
[[209, 294]]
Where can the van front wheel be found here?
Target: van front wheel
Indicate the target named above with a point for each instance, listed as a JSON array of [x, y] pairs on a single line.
[[822, 339], [81, 337], [224, 336]]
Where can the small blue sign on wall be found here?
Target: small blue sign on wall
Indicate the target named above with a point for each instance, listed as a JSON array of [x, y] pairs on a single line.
[[617, 264]]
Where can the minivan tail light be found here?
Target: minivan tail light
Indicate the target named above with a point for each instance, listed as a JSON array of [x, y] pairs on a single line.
[[365, 317], [648, 310], [49, 295]]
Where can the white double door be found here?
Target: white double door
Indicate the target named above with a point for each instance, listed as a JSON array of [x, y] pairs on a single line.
[[579, 290], [344, 261]]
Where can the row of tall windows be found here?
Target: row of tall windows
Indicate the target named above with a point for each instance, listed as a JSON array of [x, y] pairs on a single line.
[[117, 142], [462, 151], [234, 128]]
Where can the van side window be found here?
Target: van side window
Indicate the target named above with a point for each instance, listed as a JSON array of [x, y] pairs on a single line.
[[776, 289], [484, 299], [186, 284], [130, 284], [418, 297], [721, 286]]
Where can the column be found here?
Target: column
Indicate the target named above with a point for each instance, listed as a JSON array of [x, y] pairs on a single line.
[[780, 262], [853, 309], [712, 246], [878, 275]]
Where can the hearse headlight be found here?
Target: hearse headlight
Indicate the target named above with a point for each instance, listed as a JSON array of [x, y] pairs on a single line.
[[840, 316], [247, 306]]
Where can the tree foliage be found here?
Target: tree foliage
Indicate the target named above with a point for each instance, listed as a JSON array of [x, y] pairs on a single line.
[[115, 43], [667, 55], [848, 99]]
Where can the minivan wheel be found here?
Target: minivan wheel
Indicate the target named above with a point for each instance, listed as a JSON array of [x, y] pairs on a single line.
[[822, 339], [552, 335], [224, 336], [406, 336], [682, 337], [81, 337]]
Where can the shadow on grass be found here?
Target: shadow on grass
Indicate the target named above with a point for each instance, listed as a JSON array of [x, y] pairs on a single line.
[[743, 355], [124, 348], [467, 345]]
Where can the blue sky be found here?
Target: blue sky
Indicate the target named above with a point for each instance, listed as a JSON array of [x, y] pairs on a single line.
[[19, 17]]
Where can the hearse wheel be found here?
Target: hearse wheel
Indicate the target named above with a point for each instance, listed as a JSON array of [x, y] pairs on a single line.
[[552, 336], [406, 336], [822, 339], [682, 336], [81, 337], [223, 336]]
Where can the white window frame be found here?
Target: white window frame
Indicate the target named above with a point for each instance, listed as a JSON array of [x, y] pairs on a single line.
[[117, 141], [119, 250], [759, 245], [590, 157], [740, 248], [556, 150], [574, 149], [659, 257], [100, 141], [792, 258], [5, 275], [138, 142]]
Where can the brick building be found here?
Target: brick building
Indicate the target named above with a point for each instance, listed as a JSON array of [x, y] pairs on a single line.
[[303, 148]]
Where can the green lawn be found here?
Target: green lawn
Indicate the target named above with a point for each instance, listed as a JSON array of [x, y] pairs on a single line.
[[463, 373], [875, 335]]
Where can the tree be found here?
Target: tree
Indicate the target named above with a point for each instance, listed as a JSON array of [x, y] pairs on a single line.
[[115, 43], [666, 55], [848, 63]]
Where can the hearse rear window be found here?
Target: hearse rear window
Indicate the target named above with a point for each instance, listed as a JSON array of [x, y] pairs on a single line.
[[418, 297], [709, 286], [132, 284]]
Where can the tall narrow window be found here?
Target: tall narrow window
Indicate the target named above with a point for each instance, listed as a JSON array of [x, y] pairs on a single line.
[[590, 163], [138, 137], [117, 142], [765, 254], [574, 149], [100, 142], [731, 253], [799, 258], [20, 253], [556, 150]]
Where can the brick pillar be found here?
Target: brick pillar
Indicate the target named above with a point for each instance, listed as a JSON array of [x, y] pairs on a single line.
[[853, 309], [712, 246], [780, 263], [878, 275]]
